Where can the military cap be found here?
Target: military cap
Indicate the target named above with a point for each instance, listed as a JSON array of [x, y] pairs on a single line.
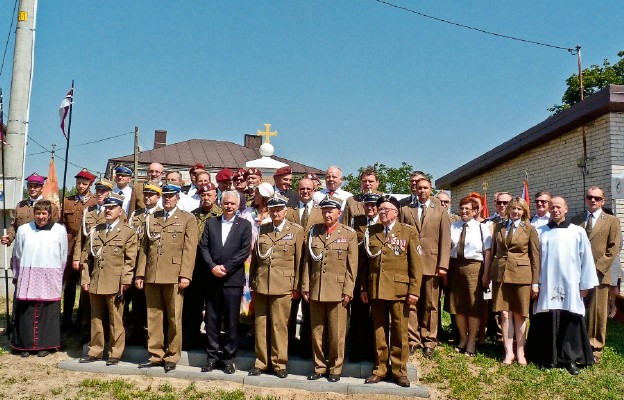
[[277, 201], [152, 187], [103, 184], [35, 178], [285, 170], [85, 174], [113, 199], [122, 170], [370, 197], [224, 175], [170, 188], [331, 201], [386, 198]]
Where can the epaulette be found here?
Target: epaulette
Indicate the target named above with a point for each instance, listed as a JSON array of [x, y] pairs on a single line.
[[91, 208], [408, 226], [347, 227], [296, 224], [22, 203]]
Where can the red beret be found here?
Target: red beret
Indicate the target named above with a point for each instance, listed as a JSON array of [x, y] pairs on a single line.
[[312, 176], [224, 175], [285, 170], [239, 174], [85, 175], [206, 188], [196, 166], [253, 171]]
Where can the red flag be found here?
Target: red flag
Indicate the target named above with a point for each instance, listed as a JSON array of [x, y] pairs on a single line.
[[525, 193], [64, 109], [50, 188], [485, 212]]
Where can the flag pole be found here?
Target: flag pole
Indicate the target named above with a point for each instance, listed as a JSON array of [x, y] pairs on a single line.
[[62, 199], [4, 222]]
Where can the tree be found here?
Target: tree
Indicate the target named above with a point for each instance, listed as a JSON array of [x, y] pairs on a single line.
[[391, 180], [595, 78]]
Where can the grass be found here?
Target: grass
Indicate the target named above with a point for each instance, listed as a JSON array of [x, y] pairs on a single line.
[[484, 377]]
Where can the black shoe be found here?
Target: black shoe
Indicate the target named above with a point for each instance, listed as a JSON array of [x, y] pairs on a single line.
[[254, 371], [112, 361], [24, 354], [314, 376], [89, 359], [333, 378], [169, 366], [412, 349], [210, 365], [281, 373], [151, 364], [229, 369], [572, 368], [43, 353], [428, 352]]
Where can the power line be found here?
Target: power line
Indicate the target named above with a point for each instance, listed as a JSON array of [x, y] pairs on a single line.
[[571, 50], [62, 159], [6, 45], [82, 144]]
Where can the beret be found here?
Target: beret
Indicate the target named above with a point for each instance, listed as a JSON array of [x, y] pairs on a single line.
[[224, 175], [206, 188], [386, 198], [285, 170], [253, 171]]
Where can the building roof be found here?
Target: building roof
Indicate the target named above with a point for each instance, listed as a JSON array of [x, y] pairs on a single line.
[[610, 99], [211, 153]]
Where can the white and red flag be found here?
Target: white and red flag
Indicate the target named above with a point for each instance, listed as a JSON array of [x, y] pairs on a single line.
[[64, 109]]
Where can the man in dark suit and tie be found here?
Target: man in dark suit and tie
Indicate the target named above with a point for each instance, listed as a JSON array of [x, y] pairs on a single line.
[[225, 245]]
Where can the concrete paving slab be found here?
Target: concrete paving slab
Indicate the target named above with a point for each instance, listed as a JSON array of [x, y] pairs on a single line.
[[346, 385]]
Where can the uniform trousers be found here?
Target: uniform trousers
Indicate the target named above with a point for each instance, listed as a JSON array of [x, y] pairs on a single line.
[[164, 301], [104, 307], [328, 319], [597, 306], [271, 323], [394, 330], [222, 302], [422, 328]]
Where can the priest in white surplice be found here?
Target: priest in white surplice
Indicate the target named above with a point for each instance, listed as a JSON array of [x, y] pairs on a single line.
[[557, 335]]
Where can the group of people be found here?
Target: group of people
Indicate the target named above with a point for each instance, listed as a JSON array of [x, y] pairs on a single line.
[[317, 267]]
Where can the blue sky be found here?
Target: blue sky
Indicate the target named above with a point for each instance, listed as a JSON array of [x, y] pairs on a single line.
[[346, 82]]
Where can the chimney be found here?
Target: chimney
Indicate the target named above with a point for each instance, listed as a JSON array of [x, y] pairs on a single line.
[[253, 141], [160, 139]]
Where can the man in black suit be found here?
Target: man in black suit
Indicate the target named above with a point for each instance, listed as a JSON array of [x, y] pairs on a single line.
[[225, 245]]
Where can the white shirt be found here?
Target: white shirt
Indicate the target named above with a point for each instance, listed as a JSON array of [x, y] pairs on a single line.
[[372, 221], [192, 191], [339, 193], [226, 227], [126, 193], [420, 209], [303, 206], [538, 221], [187, 203], [473, 247], [280, 227]]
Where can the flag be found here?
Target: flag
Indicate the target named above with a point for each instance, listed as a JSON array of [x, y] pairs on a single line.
[[525, 193], [485, 212], [64, 110], [50, 188]]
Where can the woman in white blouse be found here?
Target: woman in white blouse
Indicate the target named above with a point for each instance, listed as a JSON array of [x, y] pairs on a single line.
[[471, 243]]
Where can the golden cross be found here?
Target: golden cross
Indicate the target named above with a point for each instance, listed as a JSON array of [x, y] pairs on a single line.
[[267, 133]]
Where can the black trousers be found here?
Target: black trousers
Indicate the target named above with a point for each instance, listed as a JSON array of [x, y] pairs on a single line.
[[222, 303], [194, 304], [303, 345]]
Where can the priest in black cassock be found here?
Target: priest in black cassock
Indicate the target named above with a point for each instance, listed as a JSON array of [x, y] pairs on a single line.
[[557, 334]]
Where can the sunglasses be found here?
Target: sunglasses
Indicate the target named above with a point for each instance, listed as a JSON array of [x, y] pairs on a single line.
[[541, 201], [445, 201], [502, 203], [597, 198]]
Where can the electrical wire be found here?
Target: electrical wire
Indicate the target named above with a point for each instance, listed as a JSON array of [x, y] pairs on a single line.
[[6, 45], [571, 50], [82, 144], [62, 159]]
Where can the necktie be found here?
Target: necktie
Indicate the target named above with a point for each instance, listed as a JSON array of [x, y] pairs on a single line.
[[422, 213], [589, 225], [108, 229], [276, 231], [166, 216], [304, 216], [509, 234], [386, 231], [462, 241], [331, 192], [120, 193]]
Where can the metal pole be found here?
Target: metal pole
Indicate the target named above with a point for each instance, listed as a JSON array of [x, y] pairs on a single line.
[[71, 104], [4, 223], [136, 156]]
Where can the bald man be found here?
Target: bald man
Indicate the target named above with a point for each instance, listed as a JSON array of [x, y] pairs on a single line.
[[155, 173]]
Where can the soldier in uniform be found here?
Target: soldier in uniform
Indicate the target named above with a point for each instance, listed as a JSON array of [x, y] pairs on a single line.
[[165, 269], [391, 284], [110, 258], [306, 213], [369, 182], [195, 294], [328, 279], [137, 314], [274, 276], [361, 336], [73, 209], [24, 211]]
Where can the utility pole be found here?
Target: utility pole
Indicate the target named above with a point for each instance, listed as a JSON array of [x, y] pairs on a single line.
[[21, 84], [136, 156]]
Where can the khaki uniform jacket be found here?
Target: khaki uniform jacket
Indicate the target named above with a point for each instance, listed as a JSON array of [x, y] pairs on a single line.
[[73, 209], [605, 244], [136, 199], [278, 272], [315, 217], [90, 218], [434, 236], [334, 274], [24, 214], [201, 217], [172, 255], [115, 264], [520, 262], [397, 270]]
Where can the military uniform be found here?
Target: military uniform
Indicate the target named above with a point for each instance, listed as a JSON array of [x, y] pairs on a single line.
[[394, 271], [274, 274], [111, 258], [167, 254], [354, 207], [328, 272]]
